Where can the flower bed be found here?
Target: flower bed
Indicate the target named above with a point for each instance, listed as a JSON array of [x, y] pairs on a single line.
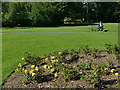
[[82, 68]]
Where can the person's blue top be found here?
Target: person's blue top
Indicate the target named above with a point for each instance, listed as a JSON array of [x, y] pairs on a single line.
[[99, 25]]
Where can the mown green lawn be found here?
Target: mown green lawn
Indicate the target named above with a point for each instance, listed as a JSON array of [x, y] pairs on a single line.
[[14, 45], [112, 27]]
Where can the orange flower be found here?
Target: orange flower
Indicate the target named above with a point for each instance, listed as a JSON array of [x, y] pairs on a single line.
[[52, 70], [52, 61], [95, 73], [32, 66], [52, 57], [59, 53], [31, 72], [46, 59], [17, 69], [19, 65], [26, 71]]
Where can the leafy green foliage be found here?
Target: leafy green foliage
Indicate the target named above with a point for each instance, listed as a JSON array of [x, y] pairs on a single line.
[[109, 48], [16, 14], [85, 49], [53, 13], [86, 66], [115, 49], [32, 59]]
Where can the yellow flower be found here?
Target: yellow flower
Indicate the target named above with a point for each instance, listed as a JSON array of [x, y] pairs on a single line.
[[46, 59], [45, 66], [106, 69], [95, 73], [23, 58], [32, 66], [17, 69], [48, 67], [23, 69], [19, 65], [36, 68], [59, 53], [112, 70], [116, 74], [52, 61], [51, 66], [33, 74], [26, 71], [52, 57], [52, 70], [55, 74], [32, 70], [56, 60]]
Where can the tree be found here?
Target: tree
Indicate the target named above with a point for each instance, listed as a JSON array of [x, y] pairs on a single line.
[[47, 14], [106, 11], [16, 14]]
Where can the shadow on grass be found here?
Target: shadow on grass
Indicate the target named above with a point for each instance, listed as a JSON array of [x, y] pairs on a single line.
[[25, 27], [86, 24]]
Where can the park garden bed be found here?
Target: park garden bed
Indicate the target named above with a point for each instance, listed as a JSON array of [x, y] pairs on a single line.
[[82, 68]]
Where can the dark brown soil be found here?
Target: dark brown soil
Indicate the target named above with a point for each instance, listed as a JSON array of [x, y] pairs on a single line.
[[109, 81]]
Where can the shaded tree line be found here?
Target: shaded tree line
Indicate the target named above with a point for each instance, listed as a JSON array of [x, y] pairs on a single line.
[[54, 13]]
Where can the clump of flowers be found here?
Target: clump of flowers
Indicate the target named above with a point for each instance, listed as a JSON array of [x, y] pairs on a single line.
[[31, 74], [94, 77], [52, 57]]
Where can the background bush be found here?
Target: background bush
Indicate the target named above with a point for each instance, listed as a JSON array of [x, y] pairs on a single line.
[[54, 13]]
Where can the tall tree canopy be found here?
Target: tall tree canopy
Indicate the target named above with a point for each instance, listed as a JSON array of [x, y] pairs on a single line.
[[54, 13]]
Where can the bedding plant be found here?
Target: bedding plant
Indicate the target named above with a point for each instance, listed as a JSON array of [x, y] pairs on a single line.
[[72, 68]]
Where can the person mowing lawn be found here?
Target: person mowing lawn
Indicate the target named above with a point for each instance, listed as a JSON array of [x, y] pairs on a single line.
[[100, 26]]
